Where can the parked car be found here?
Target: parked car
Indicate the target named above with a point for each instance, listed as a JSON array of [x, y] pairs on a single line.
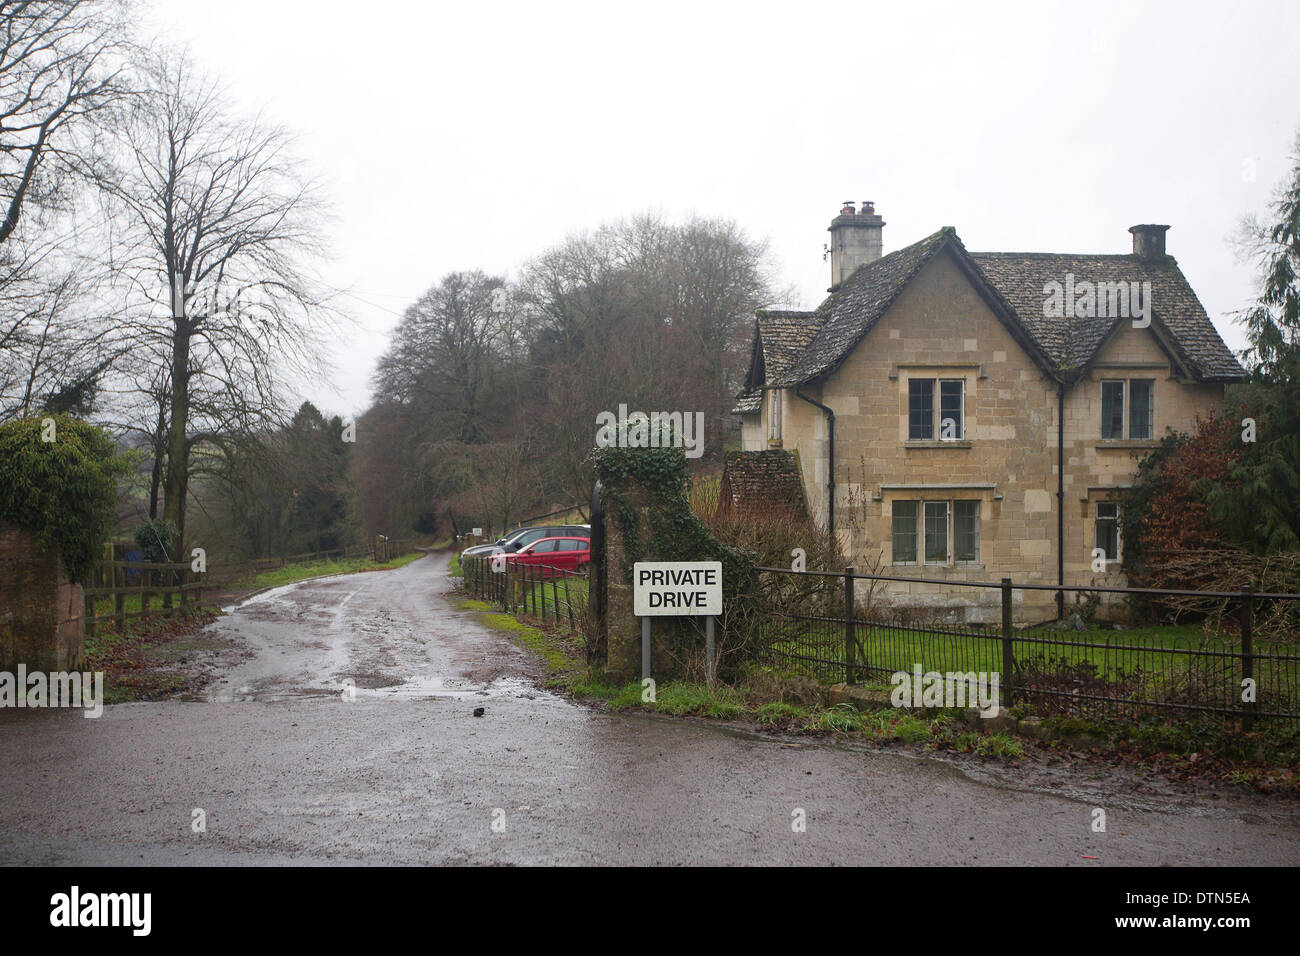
[[554, 556], [522, 537]]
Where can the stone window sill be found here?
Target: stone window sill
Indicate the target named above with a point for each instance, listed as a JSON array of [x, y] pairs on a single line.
[[1126, 443], [960, 443]]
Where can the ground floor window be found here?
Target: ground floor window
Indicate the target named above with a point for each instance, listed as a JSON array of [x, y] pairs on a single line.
[[941, 531], [1107, 529]]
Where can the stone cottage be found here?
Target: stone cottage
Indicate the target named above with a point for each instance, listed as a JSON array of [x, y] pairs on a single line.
[[971, 415]]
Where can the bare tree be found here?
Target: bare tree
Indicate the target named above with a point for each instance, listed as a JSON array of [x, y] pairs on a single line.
[[212, 230], [61, 77], [60, 63], [447, 352]]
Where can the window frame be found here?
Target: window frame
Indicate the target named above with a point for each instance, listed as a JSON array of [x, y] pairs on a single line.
[[961, 409], [893, 530], [1123, 403], [1126, 409], [934, 425], [919, 518], [1113, 521], [927, 422], [1150, 412], [956, 517], [774, 416]]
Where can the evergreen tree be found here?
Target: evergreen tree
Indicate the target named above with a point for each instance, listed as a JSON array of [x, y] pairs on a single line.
[[1260, 508]]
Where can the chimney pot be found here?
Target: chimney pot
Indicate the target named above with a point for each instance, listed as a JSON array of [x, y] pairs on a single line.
[[1148, 241], [855, 240]]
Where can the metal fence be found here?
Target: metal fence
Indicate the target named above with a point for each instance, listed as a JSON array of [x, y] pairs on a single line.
[[839, 627], [547, 593]]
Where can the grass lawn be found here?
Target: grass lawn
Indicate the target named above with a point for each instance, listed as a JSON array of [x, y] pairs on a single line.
[[298, 572], [1140, 662]]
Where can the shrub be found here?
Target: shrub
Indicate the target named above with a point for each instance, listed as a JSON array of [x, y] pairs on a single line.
[[157, 539], [58, 480]]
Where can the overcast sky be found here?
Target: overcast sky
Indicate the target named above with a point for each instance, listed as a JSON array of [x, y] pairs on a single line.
[[475, 135]]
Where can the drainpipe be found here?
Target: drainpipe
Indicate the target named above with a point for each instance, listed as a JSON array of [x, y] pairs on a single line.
[[830, 431], [1060, 500]]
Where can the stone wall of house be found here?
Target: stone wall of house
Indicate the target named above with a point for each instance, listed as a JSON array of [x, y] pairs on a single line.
[[752, 437], [803, 427], [940, 327], [1095, 468], [41, 612]]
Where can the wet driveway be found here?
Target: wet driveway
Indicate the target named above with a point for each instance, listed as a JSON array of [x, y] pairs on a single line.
[[347, 735]]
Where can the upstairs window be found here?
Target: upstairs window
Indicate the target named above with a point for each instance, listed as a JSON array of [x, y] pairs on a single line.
[[1139, 393], [1112, 409], [920, 409], [922, 422], [774, 415], [952, 409]]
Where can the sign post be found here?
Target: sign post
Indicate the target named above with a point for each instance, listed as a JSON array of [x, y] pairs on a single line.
[[677, 589]]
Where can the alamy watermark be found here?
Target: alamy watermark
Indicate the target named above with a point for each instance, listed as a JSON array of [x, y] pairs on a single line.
[[58, 689], [656, 430], [1085, 300], [129, 910], [918, 688]]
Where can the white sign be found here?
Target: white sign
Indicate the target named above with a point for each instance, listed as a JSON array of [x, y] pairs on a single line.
[[478, 532], [677, 588]]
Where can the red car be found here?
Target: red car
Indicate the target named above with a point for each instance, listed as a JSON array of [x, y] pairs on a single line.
[[553, 556]]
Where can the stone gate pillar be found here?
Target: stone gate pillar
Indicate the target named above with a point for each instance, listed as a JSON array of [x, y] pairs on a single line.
[[41, 611]]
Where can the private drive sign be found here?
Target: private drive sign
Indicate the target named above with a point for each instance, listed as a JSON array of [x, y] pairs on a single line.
[[676, 588]]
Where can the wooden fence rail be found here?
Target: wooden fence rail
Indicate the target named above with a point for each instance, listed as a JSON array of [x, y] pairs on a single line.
[[121, 579], [178, 587]]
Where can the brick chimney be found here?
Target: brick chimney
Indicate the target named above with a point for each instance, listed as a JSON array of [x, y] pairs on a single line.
[[855, 240], [1148, 241]]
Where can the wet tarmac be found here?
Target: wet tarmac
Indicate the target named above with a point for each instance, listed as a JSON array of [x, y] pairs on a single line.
[[344, 733]]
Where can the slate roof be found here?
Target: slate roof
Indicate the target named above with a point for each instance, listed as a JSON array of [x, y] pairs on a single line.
[[1073, 342], [783, 335], [763, 481], [1013, 284]]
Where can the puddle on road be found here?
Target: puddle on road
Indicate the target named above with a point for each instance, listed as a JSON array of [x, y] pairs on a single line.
[[414, 688]]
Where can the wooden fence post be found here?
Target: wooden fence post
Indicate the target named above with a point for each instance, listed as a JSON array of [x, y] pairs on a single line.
[[119, 598], [89, 600]]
